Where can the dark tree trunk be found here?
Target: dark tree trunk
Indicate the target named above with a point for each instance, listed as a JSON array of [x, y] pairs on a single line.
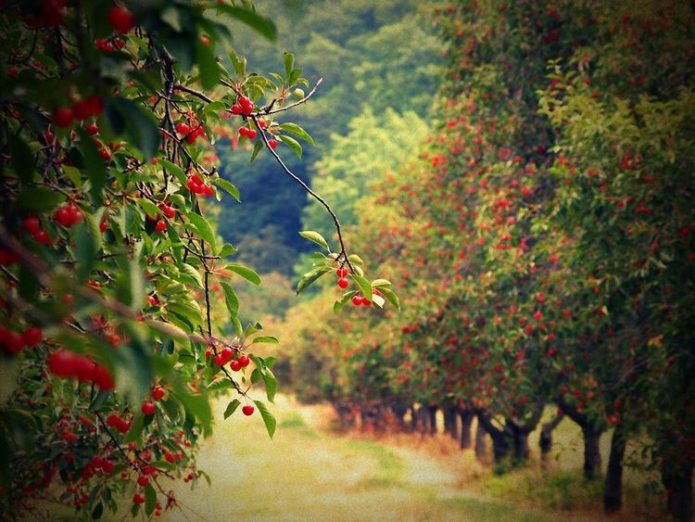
[[399, 409], [677, 478], [613, 491], [501, 438], [432, 414], [592, 454], [480, 445], [450, 421], [413, 418], [521, 449], [467, 417], [545, 440], [422, 415]]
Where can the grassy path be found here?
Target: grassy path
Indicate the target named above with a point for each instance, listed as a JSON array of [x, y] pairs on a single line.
[[308, 473]]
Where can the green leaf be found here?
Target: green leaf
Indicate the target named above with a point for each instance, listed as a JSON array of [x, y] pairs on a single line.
[[245, 272], [355, 260], [136, 429], [391, 297], [207, 65], [231, 299], [315, 237], [364, 284], [96, 169], [289, 63], [258, 23], [140, 125], [98, 511], [238, 328], [39, 199], [187, 310], [203, 228], [296, 130], [271, 383], [148, 207], [174, 169], [338, 305], [229, 188], [269, 339], [88, 244], [381, 283], [292, 144], [311, 276], [227, 250], [22, 158], [268, 418], [150, 499], [231, 408], [256, 149], [193, 274]]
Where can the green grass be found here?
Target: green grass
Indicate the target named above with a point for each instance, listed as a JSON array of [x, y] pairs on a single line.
[[308, 472]]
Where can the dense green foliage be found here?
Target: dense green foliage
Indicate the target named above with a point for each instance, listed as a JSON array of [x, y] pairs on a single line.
[[543, 244], [372, 56], [120, 322]]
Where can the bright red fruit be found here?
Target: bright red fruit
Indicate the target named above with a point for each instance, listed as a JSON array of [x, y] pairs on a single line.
[[182, 128], [244, 361], [247, 410], [138, 499], [32, 336], [92, 128], [158, 393], [161, 226], [63, 117], [32, 224], [343, 283], [148, 408], [143, 480], [272, 143], [357, 300], [60, 363], [121, 20], [341, 272], [235, 366]]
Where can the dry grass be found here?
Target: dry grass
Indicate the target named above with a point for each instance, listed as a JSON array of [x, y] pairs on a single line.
[[311, 473]]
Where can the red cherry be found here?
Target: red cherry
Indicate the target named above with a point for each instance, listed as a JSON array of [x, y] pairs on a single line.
[[366, 302], [247, 410], [219, 360], [60, 363], [13, 342], [273, 143], [143, 480], [148, 408], [121, 20], [138, 499], [357, 300], [343, 283], [161, 226], [32, 336], [236, 109], [105, 154], [182, 128], [235, 366], [92, 128], [341, 272], [208, 191], [32, 224], [63, 117], [158, 393], [152, 300], [244, 361], [102, 378], [42, 237], [89, 106], [168, 211]]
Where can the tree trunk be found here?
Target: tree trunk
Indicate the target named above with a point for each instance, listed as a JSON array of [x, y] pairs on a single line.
[[413, 418], [422, 420], [480, 446], [521, 449], [451, 421], [466, 421], [545, 440], [613, 492], [432, 414], [501, 438], [678, 481], [592, 454]]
